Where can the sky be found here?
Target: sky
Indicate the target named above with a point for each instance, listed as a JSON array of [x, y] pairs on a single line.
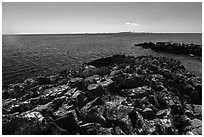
[[67, 17]]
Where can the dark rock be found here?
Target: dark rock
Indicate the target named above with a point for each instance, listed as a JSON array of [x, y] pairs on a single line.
[[77, 82], [129, 69], [43, 80], [108, 84], [95, 115], [5, 94], [21, 107], [62, 111], [118, 115], [68, 122], [56, 91], [163, 113], [142, 95], [165, 126], [175, 48], [153, 100], [137, 119], [148, 113], [196, 99], [16, 90], [139, 92], [88, 71], [95, 90], [102, 71], [93, 79], [166, 73], [181, 122], [80, 97], [94, 129], [115, 73], [56, 130], [86, 108], [29, 83], [27, 123], [149, 127]]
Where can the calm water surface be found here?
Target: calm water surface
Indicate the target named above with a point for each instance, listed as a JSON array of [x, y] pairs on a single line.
[[34, 55]]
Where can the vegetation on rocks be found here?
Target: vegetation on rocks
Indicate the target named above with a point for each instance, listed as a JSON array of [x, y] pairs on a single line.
[[118, 95]]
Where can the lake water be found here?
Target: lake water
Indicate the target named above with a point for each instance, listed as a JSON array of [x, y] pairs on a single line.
[[25, 56]]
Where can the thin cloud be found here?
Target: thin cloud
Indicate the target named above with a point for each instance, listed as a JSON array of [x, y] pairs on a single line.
[[132, 24]]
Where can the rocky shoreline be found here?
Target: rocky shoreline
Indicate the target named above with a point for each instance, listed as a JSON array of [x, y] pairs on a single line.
[[175, 48], [118, 95]]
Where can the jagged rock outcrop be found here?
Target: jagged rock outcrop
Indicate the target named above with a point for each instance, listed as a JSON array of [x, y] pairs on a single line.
[[118, 95], [175, 48]]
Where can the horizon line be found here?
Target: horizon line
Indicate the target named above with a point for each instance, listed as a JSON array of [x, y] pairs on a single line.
[[89, 33]]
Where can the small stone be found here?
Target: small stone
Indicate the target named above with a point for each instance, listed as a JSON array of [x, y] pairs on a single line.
[[163, 113], [148, 113], [115, 72]]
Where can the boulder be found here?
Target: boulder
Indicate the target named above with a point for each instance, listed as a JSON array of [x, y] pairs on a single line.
[[16, 90], [148, 113], [149, 127], [5, 94], [77, 82], [56, 91], [62, 111], [163, 113], [95, 90], [118, 115], [95, 115], [29, 83], [115, 73], [27, 123], [21, 107], [94, 129], [68, 122], [93, 79], [196, 125], [137, 119], [88, 71], [108, 84], [86, 108], [79, 96], [128, 69], [139, 92]]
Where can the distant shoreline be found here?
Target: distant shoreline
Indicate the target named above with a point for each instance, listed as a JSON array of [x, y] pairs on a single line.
[[36, 34]]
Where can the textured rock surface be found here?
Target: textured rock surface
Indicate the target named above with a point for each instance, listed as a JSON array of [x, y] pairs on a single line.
[[176, 48], [118, 95]]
